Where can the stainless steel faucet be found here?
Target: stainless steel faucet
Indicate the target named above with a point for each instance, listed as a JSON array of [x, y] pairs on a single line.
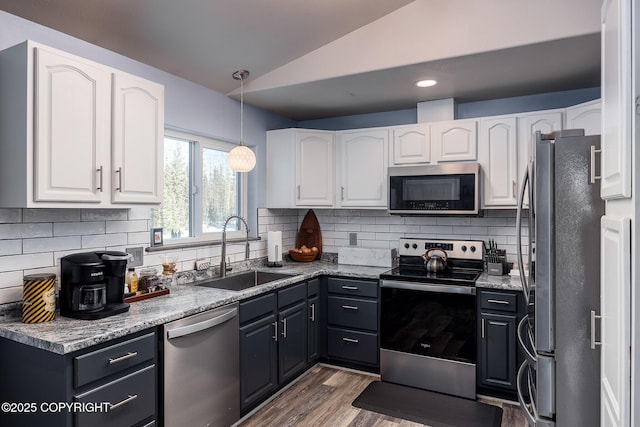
[[223, 262]]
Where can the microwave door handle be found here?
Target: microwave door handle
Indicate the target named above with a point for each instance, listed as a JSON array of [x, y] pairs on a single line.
[[523, 189]]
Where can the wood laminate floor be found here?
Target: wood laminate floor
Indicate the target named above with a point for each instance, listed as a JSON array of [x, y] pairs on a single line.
[[323, 398]]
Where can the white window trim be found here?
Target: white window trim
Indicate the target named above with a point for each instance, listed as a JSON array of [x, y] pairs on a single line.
[[200, 142]]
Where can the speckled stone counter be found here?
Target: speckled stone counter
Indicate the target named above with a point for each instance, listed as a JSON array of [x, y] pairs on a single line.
[[64, 335], [506, 282]]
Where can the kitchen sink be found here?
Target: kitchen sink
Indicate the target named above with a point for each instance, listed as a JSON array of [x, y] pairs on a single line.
[[244, 280]]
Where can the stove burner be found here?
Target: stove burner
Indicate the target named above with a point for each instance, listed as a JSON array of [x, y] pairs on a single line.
[[453, 276]]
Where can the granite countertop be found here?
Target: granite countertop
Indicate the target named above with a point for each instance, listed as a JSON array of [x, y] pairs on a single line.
[[505, 282], [64, 335]]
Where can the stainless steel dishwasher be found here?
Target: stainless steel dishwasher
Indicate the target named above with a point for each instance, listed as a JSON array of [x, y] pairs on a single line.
[[202, 369]]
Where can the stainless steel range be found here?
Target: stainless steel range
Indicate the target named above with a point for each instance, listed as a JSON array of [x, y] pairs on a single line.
[[428, 318]]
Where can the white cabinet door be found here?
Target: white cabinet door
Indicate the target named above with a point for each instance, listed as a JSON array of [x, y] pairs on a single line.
[[315, 168], [498, 156], [411, 145], [138, 132], [615, 297], [454, 141], [363, 168], [617, 99], [585, 116], [71, 131], [528, 124]]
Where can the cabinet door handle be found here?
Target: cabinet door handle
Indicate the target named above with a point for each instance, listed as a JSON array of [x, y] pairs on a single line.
[[119, 172], [342, 193], [594, 343], [350, 288], [298, 192], [313, 312], [275, 331], [513, 189], [592, 172], [350, 307], [129, 355], [130, 398], [351, 340], [482, 328], [498, 301], [284, 327], [99, 170]]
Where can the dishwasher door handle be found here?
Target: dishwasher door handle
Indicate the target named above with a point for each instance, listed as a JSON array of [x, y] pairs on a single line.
[[201, 326]]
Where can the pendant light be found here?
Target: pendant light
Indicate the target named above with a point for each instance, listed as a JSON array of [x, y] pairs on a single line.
[[241, 158]]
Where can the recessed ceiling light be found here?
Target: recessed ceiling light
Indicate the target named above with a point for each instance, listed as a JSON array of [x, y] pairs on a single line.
[[426, 83]]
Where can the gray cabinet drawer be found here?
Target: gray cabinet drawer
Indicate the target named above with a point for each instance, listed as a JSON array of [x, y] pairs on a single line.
[[499, 301], [353, 287], [292, 294], [98, 364], [351, 345], [352, 312], [133, 395], [257, 307]]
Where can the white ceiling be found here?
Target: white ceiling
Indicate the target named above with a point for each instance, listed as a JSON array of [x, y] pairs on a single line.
[[289, 48]]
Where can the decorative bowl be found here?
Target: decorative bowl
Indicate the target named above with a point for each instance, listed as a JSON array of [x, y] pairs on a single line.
[[302, 257]]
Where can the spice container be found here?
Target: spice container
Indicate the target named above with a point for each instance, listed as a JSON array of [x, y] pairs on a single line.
[[132, 280]]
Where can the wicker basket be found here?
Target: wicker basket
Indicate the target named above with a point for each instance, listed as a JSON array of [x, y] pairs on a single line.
[[297, 256]]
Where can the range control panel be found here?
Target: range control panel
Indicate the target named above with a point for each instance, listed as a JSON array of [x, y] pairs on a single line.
[[461, 249]]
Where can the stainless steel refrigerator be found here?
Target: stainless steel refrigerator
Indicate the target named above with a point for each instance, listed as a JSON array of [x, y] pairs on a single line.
[[559, 381]]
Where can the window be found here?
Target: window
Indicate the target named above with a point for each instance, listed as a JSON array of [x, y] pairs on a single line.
[[200, 190]]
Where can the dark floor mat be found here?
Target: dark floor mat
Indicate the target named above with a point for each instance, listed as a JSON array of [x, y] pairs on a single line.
[[426, 407]]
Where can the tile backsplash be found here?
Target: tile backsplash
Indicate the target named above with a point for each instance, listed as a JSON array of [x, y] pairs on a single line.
[[34, 240]]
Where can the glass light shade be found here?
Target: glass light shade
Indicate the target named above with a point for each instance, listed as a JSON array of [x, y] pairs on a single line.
[[241, 159]]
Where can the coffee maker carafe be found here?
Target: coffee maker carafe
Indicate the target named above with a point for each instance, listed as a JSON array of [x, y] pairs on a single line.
[[92, 284]]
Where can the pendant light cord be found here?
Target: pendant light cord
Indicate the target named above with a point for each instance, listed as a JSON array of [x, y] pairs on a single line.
[[241, 110]]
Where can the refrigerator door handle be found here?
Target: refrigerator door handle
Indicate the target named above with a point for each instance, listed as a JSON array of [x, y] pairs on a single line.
[[594, 343], [592, 167], [529, 414], [524, 323], [523, 190]]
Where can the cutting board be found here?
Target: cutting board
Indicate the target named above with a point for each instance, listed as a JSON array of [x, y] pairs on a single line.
[[309, 233]]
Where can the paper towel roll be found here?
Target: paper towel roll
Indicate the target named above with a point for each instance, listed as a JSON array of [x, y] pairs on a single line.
[[274, 246]]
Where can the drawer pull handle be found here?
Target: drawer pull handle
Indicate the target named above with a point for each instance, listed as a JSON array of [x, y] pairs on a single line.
[[129, 355], [350, 288], [350, 307], [498, 301], [130, 398], [352, 340]]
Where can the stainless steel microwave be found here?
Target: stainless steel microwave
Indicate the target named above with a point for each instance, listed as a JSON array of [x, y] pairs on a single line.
[[444, 189]]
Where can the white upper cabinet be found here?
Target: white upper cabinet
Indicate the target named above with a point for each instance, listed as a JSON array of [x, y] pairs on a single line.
[[71, 129], [617, 99], [528, 124], [74, 134], [585, 116], [315, 168], [454, 141], [138, 133], [410, 145], [363, 160], [300, 168], [498, 156]]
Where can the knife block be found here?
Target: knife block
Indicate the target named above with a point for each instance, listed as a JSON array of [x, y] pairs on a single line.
[[498, 268]]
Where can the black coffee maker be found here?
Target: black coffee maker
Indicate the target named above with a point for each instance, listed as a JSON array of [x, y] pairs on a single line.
[[92, 284]]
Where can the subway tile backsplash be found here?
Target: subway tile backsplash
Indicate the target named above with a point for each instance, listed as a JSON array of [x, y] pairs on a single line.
[[34, 240]]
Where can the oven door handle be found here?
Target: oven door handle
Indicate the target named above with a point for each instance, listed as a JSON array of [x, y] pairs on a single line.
[[428, 287]]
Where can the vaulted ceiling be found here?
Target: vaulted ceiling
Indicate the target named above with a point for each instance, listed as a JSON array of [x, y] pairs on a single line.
[[311, 59]]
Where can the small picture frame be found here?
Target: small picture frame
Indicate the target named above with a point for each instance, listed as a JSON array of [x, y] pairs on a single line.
[[156, 236]]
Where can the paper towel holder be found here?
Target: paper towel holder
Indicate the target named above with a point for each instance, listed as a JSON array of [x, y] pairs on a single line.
[[274, 252]]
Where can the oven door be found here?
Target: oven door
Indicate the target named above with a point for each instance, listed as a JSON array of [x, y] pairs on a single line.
[[429, 320], [428, 336]]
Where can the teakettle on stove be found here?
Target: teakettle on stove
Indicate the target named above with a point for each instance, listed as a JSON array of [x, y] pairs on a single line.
[[92, 284]]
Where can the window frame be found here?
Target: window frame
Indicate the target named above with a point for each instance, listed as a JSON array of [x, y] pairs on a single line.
[[197, 145]]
